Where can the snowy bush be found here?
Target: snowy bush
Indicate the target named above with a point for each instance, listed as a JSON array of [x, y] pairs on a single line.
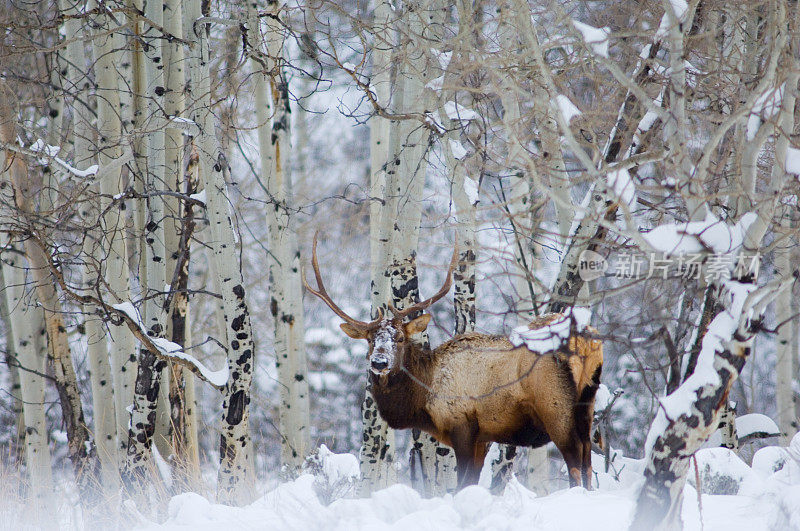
[[335, 475], [721, 471]]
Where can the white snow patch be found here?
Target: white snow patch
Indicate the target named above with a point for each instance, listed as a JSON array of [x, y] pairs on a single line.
[[747, 425], [647, 121], [338, 467], [622, 185], [459, 152], [297, 505], [595, 38], [442, 57], [456, 111], [602, 397], [59, 436], [164, 469], [755, 423], [567, 108], [471, 189], [769, 460], [435, 84], [719, 463], [199, 196], [40, 146], [679, 7], [792, 162]]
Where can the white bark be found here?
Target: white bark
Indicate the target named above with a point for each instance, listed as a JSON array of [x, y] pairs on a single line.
[[274, 136], [17, 451], [114, 265], [148, 375], [377, 453], [105, 428], [234, 485], [32, 366], [172, 178], [405, 182]]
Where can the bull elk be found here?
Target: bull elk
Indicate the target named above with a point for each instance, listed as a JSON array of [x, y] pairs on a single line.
[[476, 388]]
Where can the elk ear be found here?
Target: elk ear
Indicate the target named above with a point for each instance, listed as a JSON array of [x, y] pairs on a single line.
[[352, 331], [418, 325]]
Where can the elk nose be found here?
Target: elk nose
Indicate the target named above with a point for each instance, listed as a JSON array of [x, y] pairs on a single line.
[[380, 364]]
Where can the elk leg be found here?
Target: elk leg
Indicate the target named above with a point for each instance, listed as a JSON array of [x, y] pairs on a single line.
[[583, 429], [586, 469], [571, 449], [478, 460], [463, 439]]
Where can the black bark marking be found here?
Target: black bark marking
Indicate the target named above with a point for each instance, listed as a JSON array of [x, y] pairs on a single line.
[[236, 408]]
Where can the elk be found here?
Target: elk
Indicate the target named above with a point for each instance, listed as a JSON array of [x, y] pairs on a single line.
[[476, 389]]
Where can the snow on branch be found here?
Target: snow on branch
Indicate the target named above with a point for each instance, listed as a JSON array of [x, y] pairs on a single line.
[[621, 185], [766, 106], [189, 127], [568, 109], [551, 336], [711, 235], [676, 9], [595, 38], [792, 162], [130, 315], [749, 427], [44, 152], [170, 350], [40, 147], [741, 302]]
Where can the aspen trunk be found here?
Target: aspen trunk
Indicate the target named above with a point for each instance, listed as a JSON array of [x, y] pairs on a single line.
[[32, 361], [181, 384], [234, 483], [114, 267], [105, 427], [464, 283], [17, 452], [784, 347], [405, 183], [274, 135], [377, 453], [148, 376], [660, 498], [172, 178]]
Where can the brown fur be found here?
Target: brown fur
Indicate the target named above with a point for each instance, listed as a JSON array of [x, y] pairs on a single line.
[[476, 389]]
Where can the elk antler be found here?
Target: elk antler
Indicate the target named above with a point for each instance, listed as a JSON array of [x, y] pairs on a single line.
[[323, 294], [448, 281]]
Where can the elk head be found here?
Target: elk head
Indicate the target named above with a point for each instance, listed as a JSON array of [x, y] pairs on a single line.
[[388, 338]]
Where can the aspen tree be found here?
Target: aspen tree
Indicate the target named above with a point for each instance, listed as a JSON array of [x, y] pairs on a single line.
[[150, 368], [234, 482], [32, 371], [274, 135], [377, 452]]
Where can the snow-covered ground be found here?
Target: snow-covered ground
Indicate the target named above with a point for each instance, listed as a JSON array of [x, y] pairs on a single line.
[[766, 500]]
